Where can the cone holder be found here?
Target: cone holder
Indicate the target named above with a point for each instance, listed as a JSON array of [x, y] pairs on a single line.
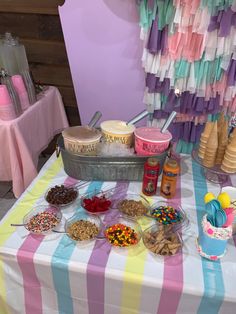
[[214, 174]]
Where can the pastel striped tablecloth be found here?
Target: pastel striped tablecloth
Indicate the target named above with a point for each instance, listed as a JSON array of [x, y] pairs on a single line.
[[49, 275]]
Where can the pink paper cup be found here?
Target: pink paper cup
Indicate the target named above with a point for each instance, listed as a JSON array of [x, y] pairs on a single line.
[[7, 112], [18, 83], [5, 98]]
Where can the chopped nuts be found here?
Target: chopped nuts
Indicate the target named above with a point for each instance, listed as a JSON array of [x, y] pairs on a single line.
[[132, 208], [82, 230]]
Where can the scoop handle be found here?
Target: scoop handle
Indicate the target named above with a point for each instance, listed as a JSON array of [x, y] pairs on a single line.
[[18, 225], [95, 119], [138, 117], [168, 121]]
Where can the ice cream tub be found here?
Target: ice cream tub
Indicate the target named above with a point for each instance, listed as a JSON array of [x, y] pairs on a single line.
[[81, 140], [151, 141], [117, 131]]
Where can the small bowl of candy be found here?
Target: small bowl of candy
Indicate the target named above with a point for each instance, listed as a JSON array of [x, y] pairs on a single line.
[[133, 205], [169, 214], [42, 219], [162, 240], [123, 232], [97, 202], [83, 228], [61, 195]]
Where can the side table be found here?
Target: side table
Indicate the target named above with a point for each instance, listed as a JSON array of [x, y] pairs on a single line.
[[24, 138]]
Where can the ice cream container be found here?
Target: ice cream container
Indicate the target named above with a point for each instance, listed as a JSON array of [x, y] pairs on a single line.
[[82, 140], [151, 141], [117, 131]]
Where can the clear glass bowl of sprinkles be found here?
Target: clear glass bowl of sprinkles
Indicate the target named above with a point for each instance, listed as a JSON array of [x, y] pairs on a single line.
[[169, 214], [123, 232], [42, 219]]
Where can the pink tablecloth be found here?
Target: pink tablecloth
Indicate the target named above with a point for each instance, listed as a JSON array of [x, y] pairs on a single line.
[[23, 139]]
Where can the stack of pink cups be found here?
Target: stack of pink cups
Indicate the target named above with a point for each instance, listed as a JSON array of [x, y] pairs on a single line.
[[7, 110], [19, 85]]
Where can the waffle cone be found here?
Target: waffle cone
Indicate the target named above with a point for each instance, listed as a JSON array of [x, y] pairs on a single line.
[[202, 145], [200, 155], [209, 158], [212, 142], [220, 121], [229, 163], [203, 140], [208, 164], [231, 149], [233, 140], [228, 169], [208, 128], [223, 135], [229, 155], [229, 159]]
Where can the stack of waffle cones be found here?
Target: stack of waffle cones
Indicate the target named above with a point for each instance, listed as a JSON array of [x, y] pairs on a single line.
[[229, 161], [211, 147], [204, 138], [223, 142], [216, 148]]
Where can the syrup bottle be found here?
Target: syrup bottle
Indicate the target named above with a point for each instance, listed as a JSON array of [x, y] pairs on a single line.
[[150, 176], [169, 178]]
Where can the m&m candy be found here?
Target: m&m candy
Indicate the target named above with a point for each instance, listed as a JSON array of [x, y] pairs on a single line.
[[166, 215]]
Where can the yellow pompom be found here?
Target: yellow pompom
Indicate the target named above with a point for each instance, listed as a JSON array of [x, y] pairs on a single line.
[[209, 197], [224, 200]]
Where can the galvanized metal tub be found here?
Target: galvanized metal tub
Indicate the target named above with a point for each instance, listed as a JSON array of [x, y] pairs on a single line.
[[101, 168]]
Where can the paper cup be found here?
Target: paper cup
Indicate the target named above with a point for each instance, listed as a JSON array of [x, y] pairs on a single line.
[[5, 98], [7, 112], [19, 85], [212, 241]]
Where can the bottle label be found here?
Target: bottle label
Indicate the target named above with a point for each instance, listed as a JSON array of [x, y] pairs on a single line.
[[166, 189], [169, 174], [152, 172], [150, 187]]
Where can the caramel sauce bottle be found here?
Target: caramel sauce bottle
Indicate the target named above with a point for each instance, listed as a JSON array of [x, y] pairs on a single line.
[[169, 178]]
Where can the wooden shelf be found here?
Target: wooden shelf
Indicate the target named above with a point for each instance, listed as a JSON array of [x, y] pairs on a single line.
[[31, 6]]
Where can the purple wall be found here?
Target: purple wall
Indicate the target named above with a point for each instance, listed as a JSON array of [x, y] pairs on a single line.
[[104, 51]]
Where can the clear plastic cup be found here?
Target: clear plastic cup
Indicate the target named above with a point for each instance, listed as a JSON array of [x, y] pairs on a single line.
[[19, 85]]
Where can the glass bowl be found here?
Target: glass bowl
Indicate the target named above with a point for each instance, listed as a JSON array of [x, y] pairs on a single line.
[[61, 196], [42, 219], [97, 202], [83, 228], [177, 221], [162, 240], [133, 205], [111, 232]]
